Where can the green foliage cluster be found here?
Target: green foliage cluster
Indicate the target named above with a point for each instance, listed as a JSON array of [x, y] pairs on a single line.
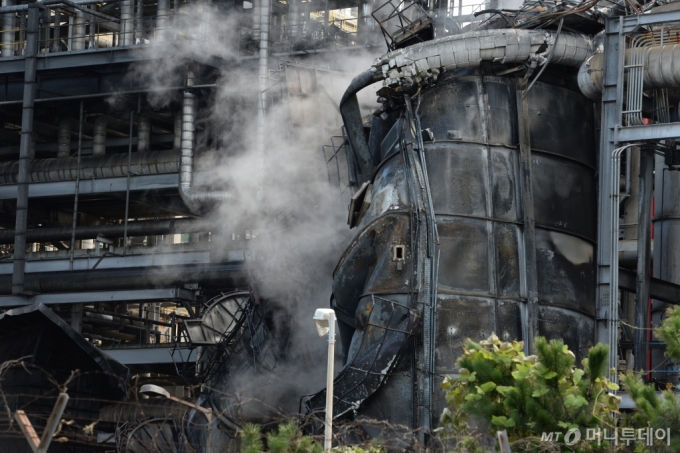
[[527, 395], [289, 439]]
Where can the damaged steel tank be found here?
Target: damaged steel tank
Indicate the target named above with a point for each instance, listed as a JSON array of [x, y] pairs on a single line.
[[477, 214]]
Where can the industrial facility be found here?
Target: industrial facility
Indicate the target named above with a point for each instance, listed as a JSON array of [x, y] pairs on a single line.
[[182, 183]]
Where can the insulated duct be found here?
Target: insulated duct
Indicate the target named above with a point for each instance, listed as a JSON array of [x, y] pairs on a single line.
[[127, 22], [162, 20], [8, 31], [227, 275], [177, 139], [99, 139], [103, 166], [64, 138], [140, 228], [193, 200], [422, 63], [78, 42], [143, 134], [661, 69]]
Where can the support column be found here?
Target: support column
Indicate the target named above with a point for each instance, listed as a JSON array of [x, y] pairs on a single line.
[[162, 20], [262, 92], [530, 329], [79, 31], [19, 265], [126, 23], [644, 257]]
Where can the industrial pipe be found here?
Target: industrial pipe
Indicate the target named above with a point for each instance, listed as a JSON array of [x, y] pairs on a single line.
[[143, 134], [225, 275], [661, 69], [7, 31], [103, 166], [193, 200], [64, 138], [177, 139], [162, 20], [127, 23], [78, 42], [423, 62], [293, 19], [139, 228], [99, 139], [265, 13]]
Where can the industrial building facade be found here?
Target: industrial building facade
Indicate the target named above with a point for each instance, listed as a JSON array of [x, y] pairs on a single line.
[[175, 176]]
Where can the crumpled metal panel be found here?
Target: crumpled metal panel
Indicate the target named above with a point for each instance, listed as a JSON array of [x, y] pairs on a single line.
[[382, 330]]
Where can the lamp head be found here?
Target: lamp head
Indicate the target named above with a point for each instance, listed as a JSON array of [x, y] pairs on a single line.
[[154, 390], [322, 319]]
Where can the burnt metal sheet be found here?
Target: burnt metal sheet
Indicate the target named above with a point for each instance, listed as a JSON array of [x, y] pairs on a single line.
[[561, 122], [563, 195], [464, 261], [577, 331], [566, 271]]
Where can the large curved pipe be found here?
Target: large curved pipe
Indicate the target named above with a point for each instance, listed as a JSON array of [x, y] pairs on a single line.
[[351, 116], [661, 70], [423, 62], [195, 201]]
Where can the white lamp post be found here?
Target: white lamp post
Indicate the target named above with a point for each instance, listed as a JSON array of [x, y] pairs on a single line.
[[325, 324], [150, 389]]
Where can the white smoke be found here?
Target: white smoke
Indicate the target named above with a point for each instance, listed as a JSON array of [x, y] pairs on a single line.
[[299, 224]]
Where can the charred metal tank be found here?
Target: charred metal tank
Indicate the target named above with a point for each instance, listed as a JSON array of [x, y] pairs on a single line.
[[477, 215]]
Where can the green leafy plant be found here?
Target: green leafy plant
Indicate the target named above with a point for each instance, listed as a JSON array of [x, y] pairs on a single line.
[[527, 395], [289, 439]]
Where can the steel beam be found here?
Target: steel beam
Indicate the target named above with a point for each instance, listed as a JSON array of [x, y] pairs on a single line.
[[662, 290], [660, 131], [94, 186], [91, 297], [632, 23], [117, 262], [148, 355]]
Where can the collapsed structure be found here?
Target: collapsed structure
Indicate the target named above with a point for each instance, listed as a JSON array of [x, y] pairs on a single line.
[[487, 190]]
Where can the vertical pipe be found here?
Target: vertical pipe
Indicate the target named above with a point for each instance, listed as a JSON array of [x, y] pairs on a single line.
[[162, 20], [75, 200], [257, 19], [127, 191], [99, 139], [19, 265], [139, 34], [91, 44], [293, 19], [330, 372], [64, 138], [56, 42], [79, 31], [262, 93], [23, 17], [8, 31], [644, 257], [177, 139], [126, 23], [143, 134]]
